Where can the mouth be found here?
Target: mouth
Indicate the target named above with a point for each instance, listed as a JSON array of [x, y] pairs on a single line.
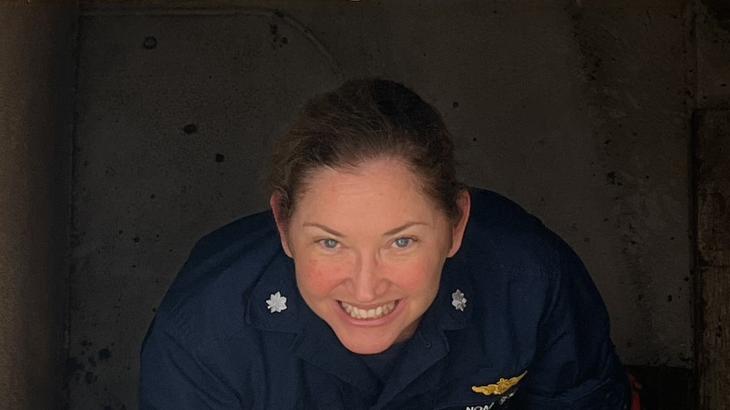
[[372, 313]]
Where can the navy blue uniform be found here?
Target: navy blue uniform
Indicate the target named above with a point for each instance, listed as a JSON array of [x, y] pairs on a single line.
[[529, 332]]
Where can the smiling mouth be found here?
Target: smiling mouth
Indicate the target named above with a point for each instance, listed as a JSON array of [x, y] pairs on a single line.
[[368, 314]]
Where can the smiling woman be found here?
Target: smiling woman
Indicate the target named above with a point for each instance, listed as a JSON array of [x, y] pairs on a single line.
[[378, 281], [369, 247]]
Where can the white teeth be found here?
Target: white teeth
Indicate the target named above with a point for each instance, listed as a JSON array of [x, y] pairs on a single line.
[[369, 314]]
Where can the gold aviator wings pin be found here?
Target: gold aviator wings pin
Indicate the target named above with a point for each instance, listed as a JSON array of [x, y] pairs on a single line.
[[500, 387]]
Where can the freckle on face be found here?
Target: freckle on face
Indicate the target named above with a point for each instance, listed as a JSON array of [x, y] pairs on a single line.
[[320, 276]]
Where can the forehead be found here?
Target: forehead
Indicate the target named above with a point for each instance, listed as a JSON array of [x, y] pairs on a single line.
[[382, 189]]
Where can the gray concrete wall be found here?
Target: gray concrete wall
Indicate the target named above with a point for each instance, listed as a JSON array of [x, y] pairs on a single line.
[[36, 111], [579, 112], [712, 178]]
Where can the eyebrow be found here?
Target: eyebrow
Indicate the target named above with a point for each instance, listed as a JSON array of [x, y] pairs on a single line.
[[390, 232]]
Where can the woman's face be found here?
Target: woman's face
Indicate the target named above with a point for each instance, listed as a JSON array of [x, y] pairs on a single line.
[[369, 248]]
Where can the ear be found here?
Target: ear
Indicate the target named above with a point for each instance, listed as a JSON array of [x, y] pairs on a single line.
[[457, 233], [282, 220]]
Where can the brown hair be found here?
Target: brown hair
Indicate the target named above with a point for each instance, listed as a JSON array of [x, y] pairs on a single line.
[[362, 120]]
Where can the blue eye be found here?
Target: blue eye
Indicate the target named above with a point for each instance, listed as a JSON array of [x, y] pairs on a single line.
[[329, 243], [403, 242]]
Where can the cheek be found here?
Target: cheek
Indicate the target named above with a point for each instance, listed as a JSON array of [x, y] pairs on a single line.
[[417, 275], [318, 277]]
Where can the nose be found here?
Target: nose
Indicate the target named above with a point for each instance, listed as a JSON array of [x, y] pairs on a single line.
[[367, 282]]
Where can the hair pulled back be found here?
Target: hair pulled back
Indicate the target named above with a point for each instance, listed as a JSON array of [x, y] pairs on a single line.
[[362, 120]]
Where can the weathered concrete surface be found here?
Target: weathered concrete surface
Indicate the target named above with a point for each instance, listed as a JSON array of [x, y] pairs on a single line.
[[712, 193], [637, 59], [36, 89], [713, 256], [582, 115], [713, 56]]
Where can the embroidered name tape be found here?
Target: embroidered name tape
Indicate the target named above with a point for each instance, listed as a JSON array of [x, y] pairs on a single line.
[[484, 407]]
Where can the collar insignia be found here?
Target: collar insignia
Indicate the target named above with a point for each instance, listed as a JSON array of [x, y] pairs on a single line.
[[498, 388], [276, 303], [458, 300]]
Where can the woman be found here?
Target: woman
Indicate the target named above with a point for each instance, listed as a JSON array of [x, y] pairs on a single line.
[[377, 281]]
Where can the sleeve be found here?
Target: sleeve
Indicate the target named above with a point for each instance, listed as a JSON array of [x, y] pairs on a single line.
[[575, 365], [172, 377]]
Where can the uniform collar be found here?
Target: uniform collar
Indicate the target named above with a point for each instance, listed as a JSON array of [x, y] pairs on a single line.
[[456, 276], [315, 342], [318, 345], [278, 276], [429, 345]]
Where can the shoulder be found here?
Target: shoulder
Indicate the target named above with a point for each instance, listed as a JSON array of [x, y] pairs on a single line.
[[515, 263], [206, 300], [200, 342], [515, 260], [531, 302], [503, 235]]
